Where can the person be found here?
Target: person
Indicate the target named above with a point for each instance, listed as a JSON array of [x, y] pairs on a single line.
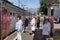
[[26, 24], [33, 23], [53, 18], [19, 27], [46, 28], [41, 20], [52, 26], [38, 22]]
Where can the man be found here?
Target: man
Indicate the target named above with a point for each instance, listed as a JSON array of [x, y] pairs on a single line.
[[19, 27], [26, 24], [33, 23]]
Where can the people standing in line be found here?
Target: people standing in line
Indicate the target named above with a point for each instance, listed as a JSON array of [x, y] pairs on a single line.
[[19, 27], [26, 24], [38, 22], [46, 28], [33, 23]]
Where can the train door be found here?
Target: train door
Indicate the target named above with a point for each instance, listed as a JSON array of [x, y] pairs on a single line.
[[5, 21], [12, 22]]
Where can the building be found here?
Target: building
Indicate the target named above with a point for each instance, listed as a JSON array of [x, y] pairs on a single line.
[[55, 10]]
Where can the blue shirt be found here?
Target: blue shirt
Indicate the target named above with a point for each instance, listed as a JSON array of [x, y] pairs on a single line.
[[19, 26], [46, 29]]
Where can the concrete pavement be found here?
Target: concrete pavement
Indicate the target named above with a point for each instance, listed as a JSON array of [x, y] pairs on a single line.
[[11, 37], [37, 36], [25, 36], [56, 26]]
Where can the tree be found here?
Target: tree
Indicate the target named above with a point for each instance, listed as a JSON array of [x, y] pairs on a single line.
[[46, 3], [43, 7]]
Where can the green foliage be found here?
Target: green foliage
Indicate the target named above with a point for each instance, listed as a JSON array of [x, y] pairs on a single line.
[[42, 6], [45, 3]]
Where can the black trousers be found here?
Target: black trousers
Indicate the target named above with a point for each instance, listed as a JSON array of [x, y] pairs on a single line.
[[38, 25], [45, 37], [51, 32], [25, 28]]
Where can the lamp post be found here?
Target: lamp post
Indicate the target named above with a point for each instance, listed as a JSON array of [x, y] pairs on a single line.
[[18, 3]]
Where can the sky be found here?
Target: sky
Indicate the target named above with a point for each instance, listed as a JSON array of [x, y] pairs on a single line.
[[30, 5], [27, 3]]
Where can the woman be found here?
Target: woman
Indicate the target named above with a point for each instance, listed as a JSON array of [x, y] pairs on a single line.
[[46, 29], [19, 27]]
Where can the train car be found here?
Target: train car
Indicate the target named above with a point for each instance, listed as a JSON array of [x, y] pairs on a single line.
[[9, 14]]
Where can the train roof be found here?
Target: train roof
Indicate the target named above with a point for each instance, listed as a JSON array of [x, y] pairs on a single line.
[[14, 5]]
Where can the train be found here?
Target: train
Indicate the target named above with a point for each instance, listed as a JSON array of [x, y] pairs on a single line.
[[9, 14]]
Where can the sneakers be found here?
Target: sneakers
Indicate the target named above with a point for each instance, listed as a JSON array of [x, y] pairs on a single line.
[[32, 35]]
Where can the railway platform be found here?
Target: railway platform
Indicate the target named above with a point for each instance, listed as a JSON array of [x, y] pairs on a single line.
[[37, 36]]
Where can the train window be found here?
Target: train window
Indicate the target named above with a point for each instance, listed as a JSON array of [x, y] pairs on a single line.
[[3, 2], [10, 14], [13, 14]]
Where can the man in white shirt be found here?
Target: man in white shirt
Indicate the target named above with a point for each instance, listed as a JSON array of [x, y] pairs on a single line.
[[19, 27], [33, 23]]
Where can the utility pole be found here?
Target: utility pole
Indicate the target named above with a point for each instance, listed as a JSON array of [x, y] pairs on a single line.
[[23, 6], [18, 3]]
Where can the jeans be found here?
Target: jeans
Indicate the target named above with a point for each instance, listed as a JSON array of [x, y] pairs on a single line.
[[19, 36]]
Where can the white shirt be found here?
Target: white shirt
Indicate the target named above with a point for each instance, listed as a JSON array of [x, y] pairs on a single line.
[[33, 22], [19, 25]]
